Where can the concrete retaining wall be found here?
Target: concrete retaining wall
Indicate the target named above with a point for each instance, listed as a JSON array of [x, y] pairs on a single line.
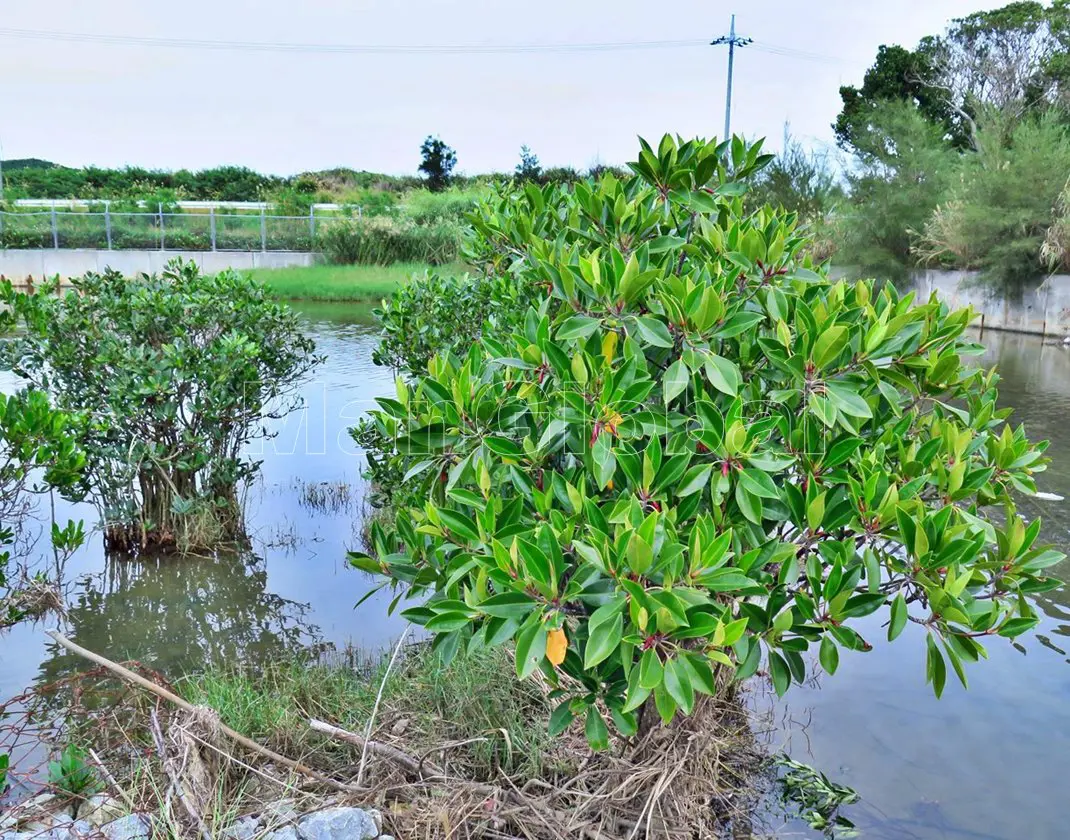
[[18, 264], [1044, 310]]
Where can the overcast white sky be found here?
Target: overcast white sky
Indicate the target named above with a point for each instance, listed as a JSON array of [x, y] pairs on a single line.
[[284, 112]]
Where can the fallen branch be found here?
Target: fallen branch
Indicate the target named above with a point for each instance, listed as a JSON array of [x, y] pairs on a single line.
[[171, 697], [410, 764]]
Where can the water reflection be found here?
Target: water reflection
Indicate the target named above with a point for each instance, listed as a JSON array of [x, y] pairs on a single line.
[[183, 613]]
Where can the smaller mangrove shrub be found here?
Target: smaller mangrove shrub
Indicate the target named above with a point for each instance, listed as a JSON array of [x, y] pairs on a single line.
[[434, 313], [173, 375], [697, 455], [39, 452]]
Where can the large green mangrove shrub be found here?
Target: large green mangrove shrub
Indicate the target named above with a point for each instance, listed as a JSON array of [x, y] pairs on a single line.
[[700, 454], [174, 374]]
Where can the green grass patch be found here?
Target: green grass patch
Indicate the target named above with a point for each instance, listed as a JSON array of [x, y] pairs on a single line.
[[424, 706], [342, 282]]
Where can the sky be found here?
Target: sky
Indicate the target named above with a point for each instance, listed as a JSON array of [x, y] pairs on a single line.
[[115, 103]]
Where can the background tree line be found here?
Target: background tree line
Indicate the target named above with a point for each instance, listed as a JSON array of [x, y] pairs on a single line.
[[955, 154]]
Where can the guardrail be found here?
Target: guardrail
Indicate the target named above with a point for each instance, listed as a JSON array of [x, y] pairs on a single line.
[[71, 203], [211, 231]]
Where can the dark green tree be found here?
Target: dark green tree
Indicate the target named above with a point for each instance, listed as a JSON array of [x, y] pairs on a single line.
[[529, 168], [437, 163], [898, 75], [1006, 63]]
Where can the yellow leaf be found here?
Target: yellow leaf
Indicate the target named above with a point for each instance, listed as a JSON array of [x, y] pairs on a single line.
[[556, 645], [609, 347]]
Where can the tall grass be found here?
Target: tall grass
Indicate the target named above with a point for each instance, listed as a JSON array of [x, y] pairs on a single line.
[[476, 697], [341, 282], [383, 241]]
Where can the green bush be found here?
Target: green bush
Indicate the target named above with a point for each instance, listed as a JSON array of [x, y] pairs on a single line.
[[904, 171], [429, 208], [383, 241], [998, 214], [430, 314], [697, 454], [174, 375]]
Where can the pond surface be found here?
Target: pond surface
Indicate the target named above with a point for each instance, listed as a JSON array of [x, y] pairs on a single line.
[[989, 763]]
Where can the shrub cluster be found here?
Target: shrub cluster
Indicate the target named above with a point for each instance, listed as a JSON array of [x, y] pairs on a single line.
[[694, 454], [173, 375]]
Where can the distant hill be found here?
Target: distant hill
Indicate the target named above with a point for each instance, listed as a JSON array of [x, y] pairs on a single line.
[[29, 163]]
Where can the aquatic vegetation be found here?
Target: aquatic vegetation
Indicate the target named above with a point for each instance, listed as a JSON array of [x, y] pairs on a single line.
[[697, 455], [171, 375]]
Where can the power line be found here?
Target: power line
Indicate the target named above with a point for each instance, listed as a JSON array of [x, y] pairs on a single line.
[[372, 49], [431, 49], [791, 52]]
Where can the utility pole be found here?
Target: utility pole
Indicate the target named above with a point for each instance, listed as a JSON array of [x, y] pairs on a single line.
[[733, 41]]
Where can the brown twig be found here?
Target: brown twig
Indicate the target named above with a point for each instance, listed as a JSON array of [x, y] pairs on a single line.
[[249, 744], [176, 784], [110, 779], [411, 764]]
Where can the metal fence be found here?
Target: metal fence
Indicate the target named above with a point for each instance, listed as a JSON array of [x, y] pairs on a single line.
[[208, 231]]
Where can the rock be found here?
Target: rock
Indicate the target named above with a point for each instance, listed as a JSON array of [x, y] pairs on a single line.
[[132, 827], [338, 824], [71, 830], [377, 818], [39, 811], [100, 809], [280, 812], [288, 833], [243, 829]]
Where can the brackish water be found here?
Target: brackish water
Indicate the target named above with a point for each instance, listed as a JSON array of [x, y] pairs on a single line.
[[988, 764]]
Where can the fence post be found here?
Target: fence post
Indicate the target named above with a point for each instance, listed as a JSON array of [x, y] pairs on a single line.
[[263, 229], [55, 228], [159, 208], [107, 222], [211, 225], [312, 226]]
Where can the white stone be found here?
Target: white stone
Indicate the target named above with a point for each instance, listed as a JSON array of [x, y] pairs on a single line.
[[338, 824], [243, 829], [132, 827], [101, 809]]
